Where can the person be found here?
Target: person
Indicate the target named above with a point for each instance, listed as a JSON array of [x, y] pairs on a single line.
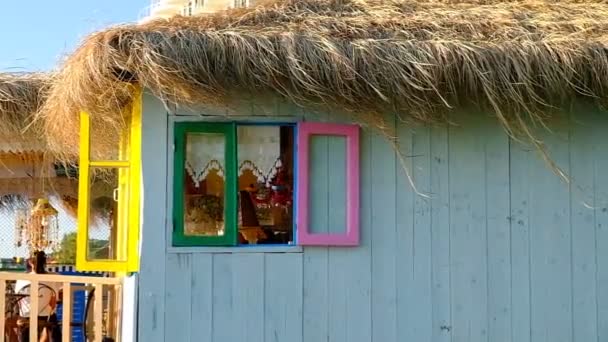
[[47, 302]]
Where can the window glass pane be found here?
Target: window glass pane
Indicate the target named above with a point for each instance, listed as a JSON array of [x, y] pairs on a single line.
[[108, 142], [204, 186], [265, 181], [106, 238]]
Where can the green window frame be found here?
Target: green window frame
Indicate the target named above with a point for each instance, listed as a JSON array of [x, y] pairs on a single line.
[[228, 130]]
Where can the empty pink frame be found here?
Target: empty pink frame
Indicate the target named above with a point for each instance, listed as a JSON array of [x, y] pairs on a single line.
[[304, 236]]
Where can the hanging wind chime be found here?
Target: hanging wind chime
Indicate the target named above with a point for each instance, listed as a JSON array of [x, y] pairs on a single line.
[[38, 228]]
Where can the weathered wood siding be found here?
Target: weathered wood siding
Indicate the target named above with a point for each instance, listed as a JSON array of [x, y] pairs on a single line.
[[502, 251]]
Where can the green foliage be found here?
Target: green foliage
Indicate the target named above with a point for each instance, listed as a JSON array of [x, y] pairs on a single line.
[[66, 254]]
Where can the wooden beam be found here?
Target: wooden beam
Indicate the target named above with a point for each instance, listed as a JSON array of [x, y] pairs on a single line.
[[59, 278]]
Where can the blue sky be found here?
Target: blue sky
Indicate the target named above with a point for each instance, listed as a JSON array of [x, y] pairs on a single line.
[[35, 35]]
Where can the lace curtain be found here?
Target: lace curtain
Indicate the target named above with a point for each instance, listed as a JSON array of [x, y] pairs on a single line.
[[259, 149]]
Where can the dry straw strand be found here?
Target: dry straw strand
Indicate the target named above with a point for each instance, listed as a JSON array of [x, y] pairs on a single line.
[[520, 60]]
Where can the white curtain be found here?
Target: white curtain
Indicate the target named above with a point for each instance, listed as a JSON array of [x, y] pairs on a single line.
[[204, 152], [259, 149]]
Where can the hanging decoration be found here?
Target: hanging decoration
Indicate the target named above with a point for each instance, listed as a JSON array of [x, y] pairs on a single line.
[[38, 228]]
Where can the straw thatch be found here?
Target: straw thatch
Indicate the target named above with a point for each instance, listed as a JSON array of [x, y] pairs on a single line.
[[417, 59], [26, 167], [21, 95], [414, 58]]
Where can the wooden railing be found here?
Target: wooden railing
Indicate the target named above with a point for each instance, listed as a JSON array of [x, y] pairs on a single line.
[[105, 308]]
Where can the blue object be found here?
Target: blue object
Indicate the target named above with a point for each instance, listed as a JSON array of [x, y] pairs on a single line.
[[79, 302]]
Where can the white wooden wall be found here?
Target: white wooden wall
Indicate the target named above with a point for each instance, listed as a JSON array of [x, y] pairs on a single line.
[[503, 250]]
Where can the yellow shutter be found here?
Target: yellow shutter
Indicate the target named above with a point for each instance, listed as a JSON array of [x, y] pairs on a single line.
[[123, 239]]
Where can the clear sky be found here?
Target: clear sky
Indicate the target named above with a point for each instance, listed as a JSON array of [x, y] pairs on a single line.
[[36, 34]]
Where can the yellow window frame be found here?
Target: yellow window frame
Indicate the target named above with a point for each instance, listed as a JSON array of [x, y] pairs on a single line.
[[128, 199]]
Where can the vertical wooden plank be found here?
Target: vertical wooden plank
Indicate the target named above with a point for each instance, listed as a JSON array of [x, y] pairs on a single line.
[[248, 297], [521, 156], [178, 300], [111, 310], [413, 215], [315, 295], [66, 327], [497, 202], [224, 325], [422, 319], [315, 268], [2, 308], [440, 231], [335, 172], [283, 297], [601, 223], [129, 332], [355, 263], [153, 232], [337, 288], [467, 172], [201, 328], [126, 326], [582, 201], [34, 309], [602, 260], [98, 313], [384, 239], [550, 241]]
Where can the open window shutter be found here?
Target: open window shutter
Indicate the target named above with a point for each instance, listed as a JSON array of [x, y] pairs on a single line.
[[305, 233], [109, 196], [201, 149]]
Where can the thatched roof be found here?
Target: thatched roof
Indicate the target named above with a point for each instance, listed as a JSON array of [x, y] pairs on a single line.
[[27, 175], [21, 95], [417, 59], [26, 166]]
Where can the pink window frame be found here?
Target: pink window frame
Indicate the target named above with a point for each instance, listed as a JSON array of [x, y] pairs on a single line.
[[304, 235]]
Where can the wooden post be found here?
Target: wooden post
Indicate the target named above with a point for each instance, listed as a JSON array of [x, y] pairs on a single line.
[[98, 312], [2, 309], [111, 310], [118, 313], [66, 327], [34, 308]]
